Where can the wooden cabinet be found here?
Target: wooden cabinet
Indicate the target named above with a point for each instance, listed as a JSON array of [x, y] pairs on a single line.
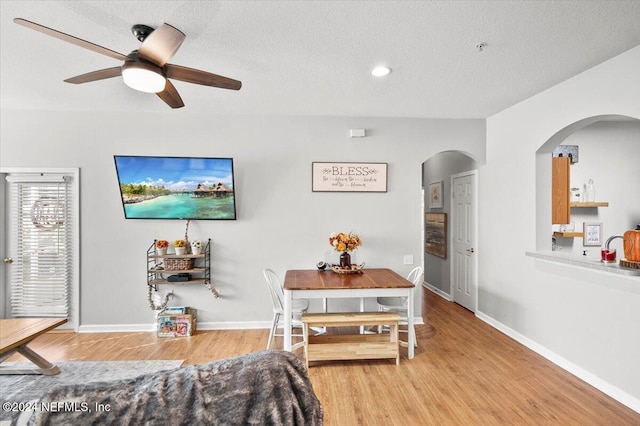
[[161, 266], [560, 197], [560, 193]]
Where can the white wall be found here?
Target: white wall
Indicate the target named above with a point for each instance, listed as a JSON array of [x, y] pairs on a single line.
[[585, 320], [281, 223]]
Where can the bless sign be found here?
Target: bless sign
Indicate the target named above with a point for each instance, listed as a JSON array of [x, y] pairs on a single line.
[[349, 177]]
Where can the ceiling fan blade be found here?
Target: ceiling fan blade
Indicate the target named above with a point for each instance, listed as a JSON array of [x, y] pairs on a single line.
[[161, 44], [170, 96], [70, 39], [191, 75], [95, 75]]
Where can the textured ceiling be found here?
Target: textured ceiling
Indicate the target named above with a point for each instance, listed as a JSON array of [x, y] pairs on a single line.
[[314, 57]]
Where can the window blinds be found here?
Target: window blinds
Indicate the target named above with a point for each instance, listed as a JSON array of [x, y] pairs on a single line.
[[41, 221]]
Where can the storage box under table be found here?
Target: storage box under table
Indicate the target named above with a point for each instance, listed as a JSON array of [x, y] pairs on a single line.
[[177, 324]]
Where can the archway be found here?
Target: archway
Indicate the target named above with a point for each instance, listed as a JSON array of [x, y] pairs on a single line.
[[543, 170], [440, 168]]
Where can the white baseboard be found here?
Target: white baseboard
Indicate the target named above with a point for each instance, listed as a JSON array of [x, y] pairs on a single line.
[[114, 328], [595, 381], [437, 291], [240, 325], [418, 321]]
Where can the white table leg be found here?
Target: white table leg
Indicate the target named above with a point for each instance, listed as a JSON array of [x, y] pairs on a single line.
[[325, 309], [287, 320], [411, 342], [362, 310]]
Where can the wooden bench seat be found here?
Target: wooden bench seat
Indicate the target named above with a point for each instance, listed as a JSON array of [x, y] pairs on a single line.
[[331, 347]]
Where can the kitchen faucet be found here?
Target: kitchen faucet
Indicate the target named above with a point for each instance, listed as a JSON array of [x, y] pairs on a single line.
[[609, 256], [613, 237]]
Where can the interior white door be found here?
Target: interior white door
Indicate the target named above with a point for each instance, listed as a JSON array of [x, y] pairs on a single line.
[[463, 240]]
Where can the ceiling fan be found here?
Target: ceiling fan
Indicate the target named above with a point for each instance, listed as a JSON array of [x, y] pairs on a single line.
[[145, 69]]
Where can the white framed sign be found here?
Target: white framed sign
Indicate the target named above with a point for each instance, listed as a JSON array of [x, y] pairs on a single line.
[[349, 177], [592, 234]]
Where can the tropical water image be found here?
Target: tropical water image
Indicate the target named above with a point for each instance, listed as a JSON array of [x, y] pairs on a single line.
[[176, 187], [182, 206]]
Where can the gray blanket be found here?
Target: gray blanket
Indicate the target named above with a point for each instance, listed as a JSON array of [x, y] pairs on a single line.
[[262, 388]]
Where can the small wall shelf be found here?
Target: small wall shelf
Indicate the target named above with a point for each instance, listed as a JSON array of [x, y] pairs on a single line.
[[589, 204], [201, 268], [568, 234]]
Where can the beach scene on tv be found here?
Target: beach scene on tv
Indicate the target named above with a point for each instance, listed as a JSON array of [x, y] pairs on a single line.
[[176, 187]]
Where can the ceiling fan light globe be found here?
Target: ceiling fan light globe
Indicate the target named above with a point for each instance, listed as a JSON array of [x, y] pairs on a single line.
[[143, 79]]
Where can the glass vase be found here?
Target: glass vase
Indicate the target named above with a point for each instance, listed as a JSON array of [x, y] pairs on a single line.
[[345, 260]]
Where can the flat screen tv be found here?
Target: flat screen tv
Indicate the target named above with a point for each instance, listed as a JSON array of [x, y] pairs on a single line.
[[191, 188]]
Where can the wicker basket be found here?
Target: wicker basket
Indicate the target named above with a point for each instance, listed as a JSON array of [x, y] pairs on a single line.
[[178, 264]]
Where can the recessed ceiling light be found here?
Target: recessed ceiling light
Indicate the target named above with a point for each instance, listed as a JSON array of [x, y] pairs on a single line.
[[380, 71]]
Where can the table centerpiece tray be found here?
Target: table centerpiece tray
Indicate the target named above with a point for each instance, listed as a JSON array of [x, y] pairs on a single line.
[[354, 269]]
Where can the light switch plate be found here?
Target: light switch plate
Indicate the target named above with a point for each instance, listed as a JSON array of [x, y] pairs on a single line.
[[408, 259]]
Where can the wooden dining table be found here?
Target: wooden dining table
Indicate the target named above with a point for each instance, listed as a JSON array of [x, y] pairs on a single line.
[[17, 333], [374, 282]]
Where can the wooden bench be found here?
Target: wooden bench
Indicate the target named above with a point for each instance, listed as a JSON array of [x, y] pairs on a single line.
[[331, 347]]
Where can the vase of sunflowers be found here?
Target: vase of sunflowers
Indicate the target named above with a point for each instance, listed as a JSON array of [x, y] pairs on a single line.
[[180, 246], [344, 243]]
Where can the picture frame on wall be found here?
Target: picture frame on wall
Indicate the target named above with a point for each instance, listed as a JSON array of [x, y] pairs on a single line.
[[592, 234], [436, 234], [435, 194]]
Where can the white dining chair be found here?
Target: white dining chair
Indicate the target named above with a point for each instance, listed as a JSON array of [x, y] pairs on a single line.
[[399, 304], [299, 306]]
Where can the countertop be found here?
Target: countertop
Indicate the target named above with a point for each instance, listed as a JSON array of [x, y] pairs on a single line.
[[583, 261]]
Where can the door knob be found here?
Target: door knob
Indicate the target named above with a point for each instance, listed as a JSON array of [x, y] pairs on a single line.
[[471, 250], [8, 260]]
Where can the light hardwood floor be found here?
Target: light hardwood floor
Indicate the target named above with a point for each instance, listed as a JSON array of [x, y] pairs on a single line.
[[464, 373]]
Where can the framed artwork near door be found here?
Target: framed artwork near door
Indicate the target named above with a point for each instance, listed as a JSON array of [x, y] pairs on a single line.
[[435, 236], [435, 195]]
